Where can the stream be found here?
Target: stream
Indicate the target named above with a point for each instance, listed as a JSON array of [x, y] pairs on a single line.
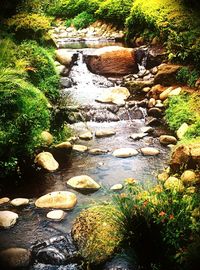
[[105, 169]]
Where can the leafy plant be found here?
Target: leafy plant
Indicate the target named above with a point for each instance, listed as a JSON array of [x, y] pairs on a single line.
[[32, 26], [83, 20], [187, 76]]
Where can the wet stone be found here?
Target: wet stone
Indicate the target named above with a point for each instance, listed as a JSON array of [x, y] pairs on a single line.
[[58, 250], [13, 258]]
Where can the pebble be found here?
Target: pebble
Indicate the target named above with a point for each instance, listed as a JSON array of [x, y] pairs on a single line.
[[56, 214], [19, 201]]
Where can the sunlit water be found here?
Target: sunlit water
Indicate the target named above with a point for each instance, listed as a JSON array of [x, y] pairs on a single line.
[[105, 169]]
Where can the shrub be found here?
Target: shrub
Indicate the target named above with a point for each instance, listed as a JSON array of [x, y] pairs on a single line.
[[24, 115], [83, 20], [187, 76], [71, 8], [31, 26], [173, 22], [115, 11], [170, 217], [182, 108], [41, 69]]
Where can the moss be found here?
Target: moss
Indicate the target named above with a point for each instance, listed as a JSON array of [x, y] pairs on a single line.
[[97, 233]]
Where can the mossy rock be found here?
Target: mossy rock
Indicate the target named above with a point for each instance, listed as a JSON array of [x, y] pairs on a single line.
[[97, 233]]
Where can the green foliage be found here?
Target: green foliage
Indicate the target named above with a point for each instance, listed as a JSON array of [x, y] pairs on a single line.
[[71, 8], [32, 26], [68, 22], [182, 109], [187, 76], [41, 69], [173, 22], [24, 115], [171, 217], [114, 11], [83, 20]]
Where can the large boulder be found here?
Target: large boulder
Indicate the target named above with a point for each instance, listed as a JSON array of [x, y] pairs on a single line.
[[180, 157], [66, 58], [8, 219], [97, 233], [83, 182], [47, 161], [57, 199], [182, 130], [113, 60], [167, 74], [116, 95]]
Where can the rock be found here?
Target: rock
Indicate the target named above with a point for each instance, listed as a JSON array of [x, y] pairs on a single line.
[[149, 151], [175, 92], [80, 148], [155, 91], [56, 214], [152, 121], [195, 154], [159, 104], [165, 94], [47, 137], [121, 262], [146, 89], [64, 145], [86, 135], [65, 57], [58, 252], [113, 60], [162, 177], [65, 82], [7, 219], [47, 161], [142, 103], [154, 70], [136, 86], [13, 258], [105, 133], [61, 69], [4, 200], [117, 187], [57, 199], [125, 152], [189, 177], [137, 136], [96, 233], [182, 130], [155, 112], [116, 95], [83, 182], [147, 129], [19, 201], [166, 74], [174, 184], [166, 139], [97, 151], [180, 156], [151, 103]]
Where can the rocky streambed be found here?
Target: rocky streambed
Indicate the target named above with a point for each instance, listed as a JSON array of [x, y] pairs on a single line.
[[118, 134]]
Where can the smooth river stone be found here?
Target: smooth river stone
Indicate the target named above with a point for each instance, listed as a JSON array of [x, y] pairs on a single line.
[[149, 151], [64, 145], [147, 129], [86, 135], [117, 187], [182, 130], [80, 148], [105, 133], [19, 201], [125, 152], [13, 258], [4, 200], [47, 161], [57, 199], [83, 182], [137, 136], [7, 219], [56, 214], [116, 95], [97, 151], [47, 137], [167, 139]]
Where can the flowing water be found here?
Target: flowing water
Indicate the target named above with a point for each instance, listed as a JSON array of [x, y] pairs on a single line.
[[105, 169]]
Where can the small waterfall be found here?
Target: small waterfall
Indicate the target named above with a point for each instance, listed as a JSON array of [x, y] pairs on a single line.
[[141, 58]]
